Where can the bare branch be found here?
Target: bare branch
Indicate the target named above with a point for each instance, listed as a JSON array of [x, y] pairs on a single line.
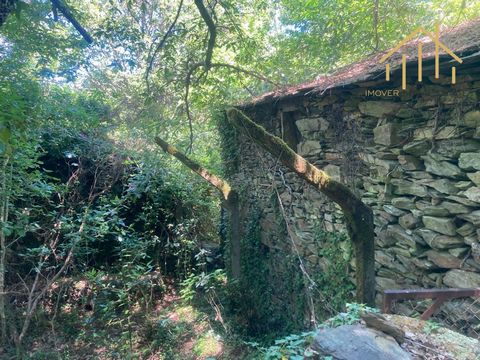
[[162, 42], [58, 4], [212, 30]]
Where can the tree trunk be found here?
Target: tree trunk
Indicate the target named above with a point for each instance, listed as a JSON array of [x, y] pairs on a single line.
[[358, 216], [229, 202]]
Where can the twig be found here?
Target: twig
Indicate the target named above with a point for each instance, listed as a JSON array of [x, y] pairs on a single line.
[[161, 44]]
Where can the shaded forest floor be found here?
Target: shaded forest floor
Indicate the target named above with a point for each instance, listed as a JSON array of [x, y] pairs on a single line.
[[173, 329]]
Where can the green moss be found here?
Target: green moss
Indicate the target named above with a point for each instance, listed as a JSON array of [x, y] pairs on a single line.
[[334, 283], [229, 143]]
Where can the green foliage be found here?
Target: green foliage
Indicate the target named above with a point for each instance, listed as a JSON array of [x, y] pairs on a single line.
[[334, 282], [292, 347], [431, 327], [351, 316], [205, 282], [229, 144]]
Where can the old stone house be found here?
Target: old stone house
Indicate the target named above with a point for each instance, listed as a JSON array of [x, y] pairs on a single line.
[[413, 155]]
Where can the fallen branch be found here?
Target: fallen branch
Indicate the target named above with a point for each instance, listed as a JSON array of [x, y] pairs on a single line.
[[230, 200]]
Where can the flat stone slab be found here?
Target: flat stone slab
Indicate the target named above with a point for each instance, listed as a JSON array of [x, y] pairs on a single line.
[[354, 342]]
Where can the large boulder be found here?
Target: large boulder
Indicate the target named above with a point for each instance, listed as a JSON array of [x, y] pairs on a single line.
[[354, 342]]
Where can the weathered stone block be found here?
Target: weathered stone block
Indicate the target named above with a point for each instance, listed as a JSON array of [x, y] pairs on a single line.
[[405, 187], [378, 109], [444, 226], [430, 210], [387, 135], [469, 161], [439, 241], [417, 148], [443, 185], [392, 210], [309, 147], [472, 119], [409, 162], [473, 194], [452, 148], [461, 279], [443, 260], [309, 125], [455, 208], [475, 177], [403, 203], [442, 168]]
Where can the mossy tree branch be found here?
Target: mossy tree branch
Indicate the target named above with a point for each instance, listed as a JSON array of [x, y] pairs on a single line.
[[358, 216], [230, 200]]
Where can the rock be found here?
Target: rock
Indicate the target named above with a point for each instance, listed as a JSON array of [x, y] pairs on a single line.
[[380, 323], [424, 264], [403, 203], [443, 185], [438, 241], [420, 175], [430, 210], [384, 283], [392, 210], [463, 185], [417, 148], [333, 171], [442, 168], [400, 251], [442, 225], [399, 234], [461, 279], [409, 162], [309, 125], [455, 208], [471, 119], [473, 194], [408, 221], [378, 108], [309, 147], [462, 200], [353, 342], [459, 252], [446, 132], [452, 148], [383, 258], [469, 161], [475, 177], [466, 229], [405, 187], [443, 259], [473, 217], [386, 135], [476, 251]]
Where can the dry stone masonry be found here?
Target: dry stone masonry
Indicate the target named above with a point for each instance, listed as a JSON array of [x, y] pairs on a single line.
[[415, 159]]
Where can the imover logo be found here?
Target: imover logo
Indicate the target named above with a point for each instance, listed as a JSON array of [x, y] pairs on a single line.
[[435, 38]]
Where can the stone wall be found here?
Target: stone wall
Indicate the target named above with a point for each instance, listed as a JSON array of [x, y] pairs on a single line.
[[415, 159]]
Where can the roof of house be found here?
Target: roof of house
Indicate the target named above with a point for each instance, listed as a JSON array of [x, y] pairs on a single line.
[[463, 40]]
